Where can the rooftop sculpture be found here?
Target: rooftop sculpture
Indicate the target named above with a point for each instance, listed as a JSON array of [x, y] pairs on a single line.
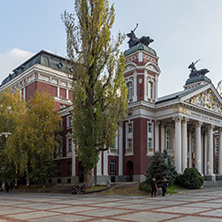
[[146, 40], [194, 71]]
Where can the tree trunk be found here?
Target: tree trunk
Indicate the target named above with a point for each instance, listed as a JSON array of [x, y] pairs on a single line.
[[88, 177]]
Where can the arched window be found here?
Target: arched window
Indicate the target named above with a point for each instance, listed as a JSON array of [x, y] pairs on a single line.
[[130, 90], [150, 90]]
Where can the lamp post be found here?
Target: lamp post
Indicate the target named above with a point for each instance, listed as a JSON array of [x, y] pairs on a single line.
[[6, 134]]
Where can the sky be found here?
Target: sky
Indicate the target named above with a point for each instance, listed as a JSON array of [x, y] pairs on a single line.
[[183, 32]]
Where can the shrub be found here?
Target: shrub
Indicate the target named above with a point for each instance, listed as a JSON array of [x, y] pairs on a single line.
[[191, 179], [144, 186]]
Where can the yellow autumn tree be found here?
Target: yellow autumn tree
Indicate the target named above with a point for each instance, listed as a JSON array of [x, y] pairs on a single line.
[[31, 146]]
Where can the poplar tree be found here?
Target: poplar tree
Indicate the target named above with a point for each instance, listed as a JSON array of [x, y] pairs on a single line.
[[99, 91]]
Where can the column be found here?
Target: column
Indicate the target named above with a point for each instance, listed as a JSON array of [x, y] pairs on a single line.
[[134, 86], [120, 148], [162, 137], [184, 144], [99, 166], [190, 149], [73, 160], [177, 148], [145, 85], [157, 123], [156, 88], [205, 153], [220, 152], [198, 146], [210, 159], [105, 163]]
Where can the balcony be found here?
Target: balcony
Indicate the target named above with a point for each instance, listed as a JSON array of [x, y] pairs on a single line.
[[129, 151], [113, 151]]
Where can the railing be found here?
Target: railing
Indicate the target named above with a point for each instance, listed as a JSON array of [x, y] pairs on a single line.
[[129, 150], [150, 150], [113, 151]]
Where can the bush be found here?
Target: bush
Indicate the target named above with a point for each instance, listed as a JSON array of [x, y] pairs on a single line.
[[144, 186], [190, 179]]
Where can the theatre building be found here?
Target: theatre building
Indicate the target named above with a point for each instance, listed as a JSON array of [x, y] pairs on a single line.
[[187, 123]]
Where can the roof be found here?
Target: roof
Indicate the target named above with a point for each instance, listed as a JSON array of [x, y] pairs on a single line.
[[179, 94], [140, 46], [197, 78], [44, 58]]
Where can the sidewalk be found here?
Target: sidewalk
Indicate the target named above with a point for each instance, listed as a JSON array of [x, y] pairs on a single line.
[[192, 205]]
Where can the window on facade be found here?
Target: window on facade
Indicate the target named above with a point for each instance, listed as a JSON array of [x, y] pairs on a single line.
[[59, 168], [130, 90], [168, 139], [130, 128], [69, 148], [112, 166], [150, 143], [69, 121], [69, 168], [129, 143], [150, 90], [59, 146], [150, 127]]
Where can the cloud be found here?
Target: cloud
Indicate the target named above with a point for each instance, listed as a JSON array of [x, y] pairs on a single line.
[[11, 60]]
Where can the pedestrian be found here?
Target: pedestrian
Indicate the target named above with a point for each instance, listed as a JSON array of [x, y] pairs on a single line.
[[83, 187], [154, 187], [6, 187], [164, 187]]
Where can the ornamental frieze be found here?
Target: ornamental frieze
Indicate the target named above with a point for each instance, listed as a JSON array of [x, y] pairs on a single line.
[[206, 100]]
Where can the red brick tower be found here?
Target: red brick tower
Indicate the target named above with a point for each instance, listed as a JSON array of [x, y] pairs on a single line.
[[141, 75]]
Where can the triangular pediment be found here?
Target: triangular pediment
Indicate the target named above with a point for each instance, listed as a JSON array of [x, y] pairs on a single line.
[[206, 97]]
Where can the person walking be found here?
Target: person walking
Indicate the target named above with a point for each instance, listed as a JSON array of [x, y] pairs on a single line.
[[154, 187], [164, 187]]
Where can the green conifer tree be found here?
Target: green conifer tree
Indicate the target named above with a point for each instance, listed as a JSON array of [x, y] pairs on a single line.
[[158, 169], [172, 173]]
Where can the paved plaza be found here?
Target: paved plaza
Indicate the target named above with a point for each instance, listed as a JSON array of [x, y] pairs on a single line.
[[195, 205]]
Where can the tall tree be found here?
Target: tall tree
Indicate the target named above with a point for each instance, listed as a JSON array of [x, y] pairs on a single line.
[[10, 109], [99, 91], [30, 148]]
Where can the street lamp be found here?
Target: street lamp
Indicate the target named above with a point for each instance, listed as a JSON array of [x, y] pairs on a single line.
[[6, 134]]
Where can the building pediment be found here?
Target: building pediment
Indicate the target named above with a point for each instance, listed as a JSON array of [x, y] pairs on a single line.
[[207, 98]]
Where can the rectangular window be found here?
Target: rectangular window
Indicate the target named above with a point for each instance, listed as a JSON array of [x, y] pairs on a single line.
[[129, 143], [69, 121], [168, 142], [112, 166], [130, 90], [150, 143], [59, 168], [69, 168], [150, 127], [150, 90], [59, 146], [130, 128], [69, 145]]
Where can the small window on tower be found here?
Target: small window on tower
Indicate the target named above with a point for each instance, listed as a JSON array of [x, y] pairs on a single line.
[[130, 90], [150, 90]]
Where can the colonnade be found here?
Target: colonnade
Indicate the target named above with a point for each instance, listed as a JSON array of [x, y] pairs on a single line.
[[204, 144]]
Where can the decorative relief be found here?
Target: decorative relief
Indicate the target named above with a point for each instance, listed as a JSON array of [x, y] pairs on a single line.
[[131, 59], [151, 67], [129, 67], [62, 83], [30, 79], [44, 78], [180, 110], [54, 81], [206, 100], [150, 59]]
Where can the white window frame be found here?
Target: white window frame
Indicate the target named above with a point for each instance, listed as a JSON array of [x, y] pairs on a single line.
[[130, 90], [69, 121], [150, 87]]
